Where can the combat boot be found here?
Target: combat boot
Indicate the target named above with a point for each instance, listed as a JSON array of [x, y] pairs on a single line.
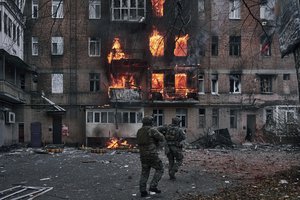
[[144, 194]]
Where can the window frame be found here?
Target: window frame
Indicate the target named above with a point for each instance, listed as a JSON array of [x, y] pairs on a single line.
[[121, 8], [55, 87], [34, 9], [94, 6], [202, 121], [158, 117], [59, 47], [233, 118], [214, 84], [266, 79], [34, 46], [215, 118], [57, 9], [214, 45], [201, 83], [234, 9], [94, 79], [234, 83], [93, 42], [182, 114], [235, 45]]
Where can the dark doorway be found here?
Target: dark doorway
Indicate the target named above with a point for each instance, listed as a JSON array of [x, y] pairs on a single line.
[[21, 133], [251, 126], [57, 124], [36, 134]]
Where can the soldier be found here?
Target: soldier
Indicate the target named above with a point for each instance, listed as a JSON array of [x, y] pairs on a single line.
[[149, 141], [173, 149]]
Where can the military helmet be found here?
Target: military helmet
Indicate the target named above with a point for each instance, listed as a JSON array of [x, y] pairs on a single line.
[[147, 120], [176, 120]]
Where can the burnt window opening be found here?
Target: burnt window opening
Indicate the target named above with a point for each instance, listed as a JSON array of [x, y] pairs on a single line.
[[235, 83], [158, 117], [214, 45], [215, 118], [286, 77], [266, 85], [234, 45], [233, 118], [201, 117], [94, 82]]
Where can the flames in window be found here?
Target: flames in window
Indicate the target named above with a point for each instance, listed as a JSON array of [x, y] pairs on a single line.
[[156, 44], [180, 84], [181, 45], [123, 81], [158, 7], [158, 82], [117, 52]]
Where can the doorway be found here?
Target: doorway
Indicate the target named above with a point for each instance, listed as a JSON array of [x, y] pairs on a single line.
[[251, 127]]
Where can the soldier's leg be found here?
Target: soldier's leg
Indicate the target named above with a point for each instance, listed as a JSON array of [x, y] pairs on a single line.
[[144, 177], [178, 159], [171, 165], [159, 171]]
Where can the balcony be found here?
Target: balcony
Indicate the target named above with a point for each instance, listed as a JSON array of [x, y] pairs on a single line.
[[11, 93], [125, 95]]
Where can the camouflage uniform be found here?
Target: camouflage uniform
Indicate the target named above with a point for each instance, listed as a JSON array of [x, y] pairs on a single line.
[[173, 149], [149, 140]]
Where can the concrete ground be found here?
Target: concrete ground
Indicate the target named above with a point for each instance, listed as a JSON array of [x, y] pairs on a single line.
[[114, 174]]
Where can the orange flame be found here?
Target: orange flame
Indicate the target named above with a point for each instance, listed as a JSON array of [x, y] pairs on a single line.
[[181, 45], [180, 84], [123, 81], [156, 44], [157, 82], [158, 7], [117, 52], [115, 143]]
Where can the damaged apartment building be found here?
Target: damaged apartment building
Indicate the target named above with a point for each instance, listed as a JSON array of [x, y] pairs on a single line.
[[104, 64]]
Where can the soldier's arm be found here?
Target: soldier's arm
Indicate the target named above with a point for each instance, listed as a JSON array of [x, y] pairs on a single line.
[[157, 135]]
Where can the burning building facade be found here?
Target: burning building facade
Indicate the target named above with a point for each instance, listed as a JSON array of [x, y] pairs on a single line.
[[109, 63]]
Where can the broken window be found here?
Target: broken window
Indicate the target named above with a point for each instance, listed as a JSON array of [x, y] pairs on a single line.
[[266, 84], [265, 45], [267, 9], [181, 113], [57, 83], [57, 9], [201, 83], [233, 118], [235, 83], [94, 9], [94, 47], [158, 117], [214, 84], [234, 45], [156, 43], [129, 10], [234, 9], [181, 46], [57, 47], [35, 46], [94, 82], [35, 8], [286, 77], [269, 116], [214, 45], [215, 118], [201, 118]]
